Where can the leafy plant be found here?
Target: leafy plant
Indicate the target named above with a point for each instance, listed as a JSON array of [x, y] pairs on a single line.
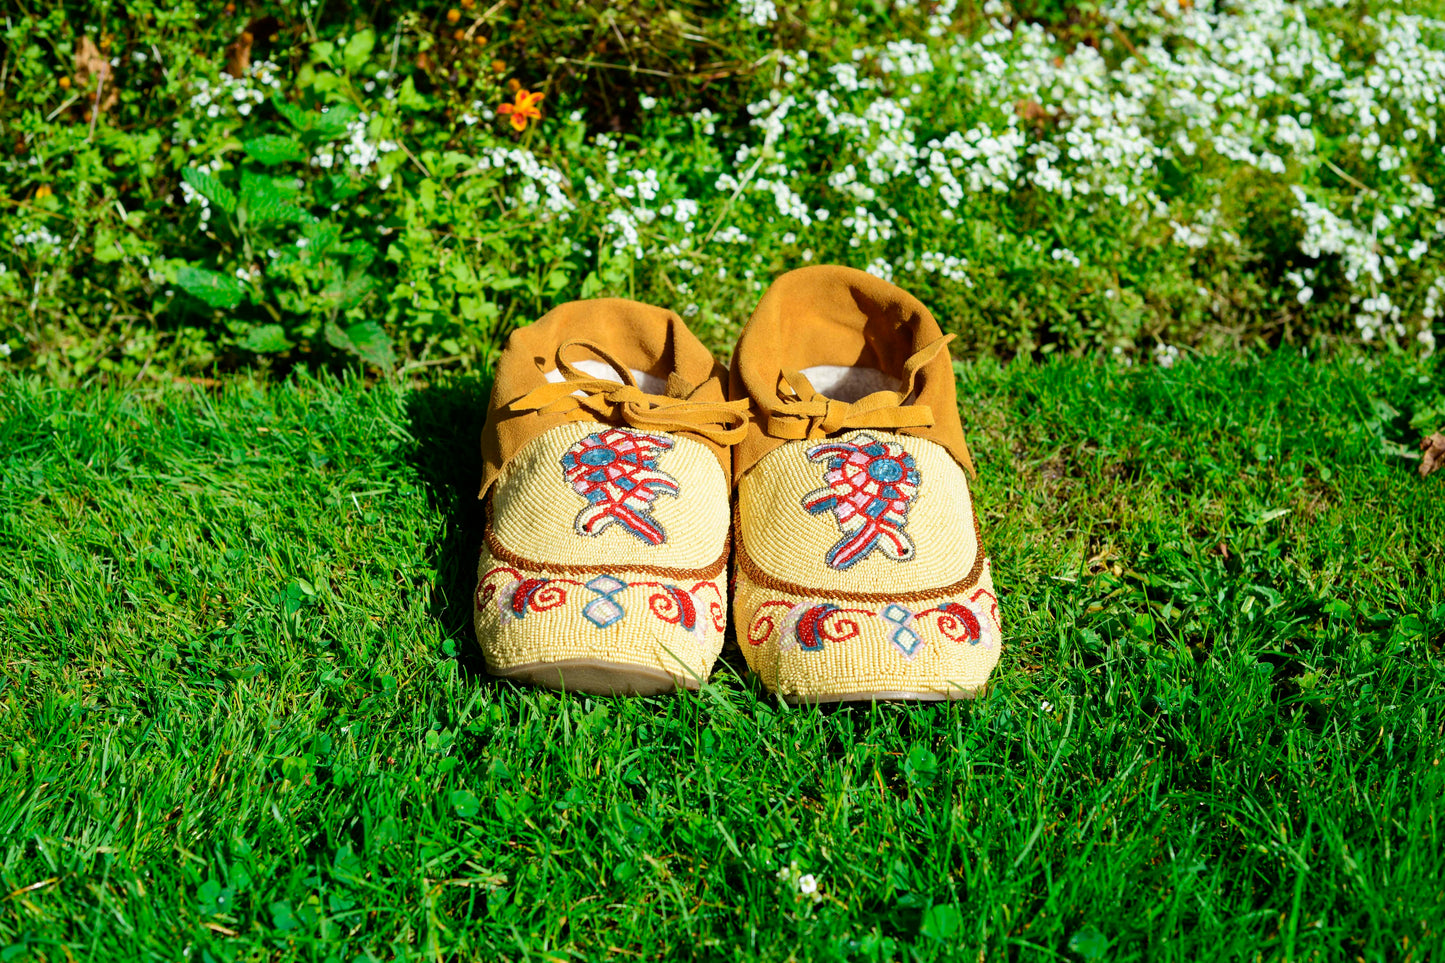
[[188, 188]]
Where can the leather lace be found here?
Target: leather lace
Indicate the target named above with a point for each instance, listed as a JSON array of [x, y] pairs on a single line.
[[721, 422], [813, 415]]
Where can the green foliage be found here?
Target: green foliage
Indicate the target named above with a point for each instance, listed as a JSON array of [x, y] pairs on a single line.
[[1046, 176], [272, 149], [217, 290], [243, 711], [202, 217], [209, 186]]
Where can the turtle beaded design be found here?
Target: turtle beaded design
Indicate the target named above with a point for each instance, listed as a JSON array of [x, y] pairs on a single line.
[[871, 485], [616, 471]]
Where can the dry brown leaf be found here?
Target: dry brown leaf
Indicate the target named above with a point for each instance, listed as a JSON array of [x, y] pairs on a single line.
[[1036, 114], [90, 64], [238, 54], [89, 61], [1032, 110], [1433, 447]]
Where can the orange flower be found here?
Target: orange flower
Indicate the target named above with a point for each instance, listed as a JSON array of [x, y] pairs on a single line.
[[525, 108]]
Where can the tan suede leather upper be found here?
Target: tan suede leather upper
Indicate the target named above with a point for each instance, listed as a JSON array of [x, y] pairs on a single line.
[[622, 333], [831, 315]]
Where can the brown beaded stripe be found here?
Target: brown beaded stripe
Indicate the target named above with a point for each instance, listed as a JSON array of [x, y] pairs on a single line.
[[501, 552]]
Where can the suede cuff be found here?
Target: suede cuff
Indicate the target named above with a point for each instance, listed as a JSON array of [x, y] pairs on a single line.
[[832, 315], [642, 337]]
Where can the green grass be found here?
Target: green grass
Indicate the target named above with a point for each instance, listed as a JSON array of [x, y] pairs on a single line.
[[244, 717]]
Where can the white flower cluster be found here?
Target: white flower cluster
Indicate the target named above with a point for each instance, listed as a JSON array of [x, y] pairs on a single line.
[[1377, 313], [381, 77], [758, 12], [933, 262], [357, 149], [1250, 83], [244, 93], [1327, 233], [192, 196], [1434, 299], [731, 235], [1203, 231], [38, 237], [804, 884], [880, 268], [989, 161], [1153, 131], [1302, 280], [542, 184], [905, 58]]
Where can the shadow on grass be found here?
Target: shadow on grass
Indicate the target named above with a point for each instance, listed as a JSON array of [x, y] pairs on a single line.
[[446, 421]]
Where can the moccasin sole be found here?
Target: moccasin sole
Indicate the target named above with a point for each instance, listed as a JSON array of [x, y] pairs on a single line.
[[597, 677], [891, 695]]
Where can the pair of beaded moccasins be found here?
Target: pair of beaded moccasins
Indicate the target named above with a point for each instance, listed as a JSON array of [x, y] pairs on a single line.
[[624, 468]]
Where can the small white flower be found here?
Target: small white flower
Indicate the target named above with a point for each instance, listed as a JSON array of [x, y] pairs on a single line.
[[758, 12], [1046, 706], [807, 884]]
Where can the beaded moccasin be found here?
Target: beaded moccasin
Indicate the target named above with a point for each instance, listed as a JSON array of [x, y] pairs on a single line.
[[858, 569], [606, 541]]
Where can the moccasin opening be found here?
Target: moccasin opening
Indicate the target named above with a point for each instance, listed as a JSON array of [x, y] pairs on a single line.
[[649, 383], [849, 382]]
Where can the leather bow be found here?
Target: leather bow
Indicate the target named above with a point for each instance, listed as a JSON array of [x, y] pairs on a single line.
[[812, 415], [721, 422]]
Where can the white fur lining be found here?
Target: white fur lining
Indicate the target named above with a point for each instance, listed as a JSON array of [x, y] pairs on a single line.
[[651, 384], [847, 383]]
